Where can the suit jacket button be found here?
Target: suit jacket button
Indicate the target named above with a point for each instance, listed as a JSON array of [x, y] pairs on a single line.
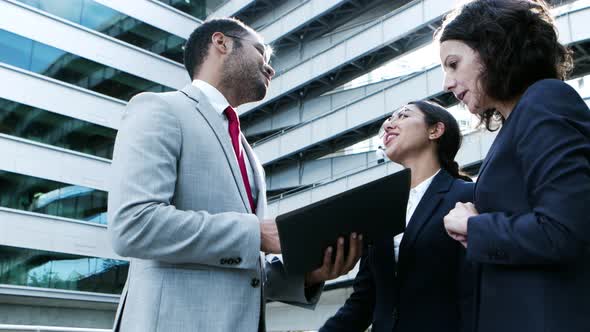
[[255, 282], [395, 315]]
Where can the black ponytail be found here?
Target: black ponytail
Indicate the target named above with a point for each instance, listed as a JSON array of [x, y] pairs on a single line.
[[452, 168]]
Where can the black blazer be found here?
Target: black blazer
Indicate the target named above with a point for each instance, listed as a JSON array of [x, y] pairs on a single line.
[[531, 239], [425, 293]]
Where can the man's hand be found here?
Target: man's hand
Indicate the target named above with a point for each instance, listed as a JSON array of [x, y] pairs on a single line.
[[340, 266], [456, 221], [269, 237]]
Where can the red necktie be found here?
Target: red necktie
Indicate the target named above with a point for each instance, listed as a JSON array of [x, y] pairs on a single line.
[[234, 133]]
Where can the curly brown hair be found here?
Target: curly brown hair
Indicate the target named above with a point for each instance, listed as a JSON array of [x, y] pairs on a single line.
[[517, 43]]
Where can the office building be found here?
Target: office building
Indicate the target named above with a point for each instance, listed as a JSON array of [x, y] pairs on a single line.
[[68, 67]]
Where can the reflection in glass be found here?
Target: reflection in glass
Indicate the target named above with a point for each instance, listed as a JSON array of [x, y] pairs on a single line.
[[197, 8], [46, 269], [70, 68], [42, 126], [27, 193], [108, 21]]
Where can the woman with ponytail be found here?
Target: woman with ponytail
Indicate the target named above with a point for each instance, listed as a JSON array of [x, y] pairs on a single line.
[[418, 281]]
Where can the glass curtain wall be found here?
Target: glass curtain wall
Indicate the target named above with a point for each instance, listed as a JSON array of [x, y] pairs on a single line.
[[46, 60], [46, 269], [108, 21], [28, 193], [197, 8], [46, 127]]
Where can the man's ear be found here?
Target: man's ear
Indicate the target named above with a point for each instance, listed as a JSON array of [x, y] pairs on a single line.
[[220, 42], [436, 131]]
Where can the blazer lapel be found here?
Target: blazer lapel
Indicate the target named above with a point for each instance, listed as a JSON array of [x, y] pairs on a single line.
[[486, 160], [388, 253], [489, 156], [383, 253], [428, 204], [221, 132], [259, 177], [382, 261]]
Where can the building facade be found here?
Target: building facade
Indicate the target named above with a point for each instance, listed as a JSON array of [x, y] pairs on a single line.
[[68, 67]]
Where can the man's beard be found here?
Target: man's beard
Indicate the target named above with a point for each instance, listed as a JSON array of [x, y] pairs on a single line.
[[244, 80]]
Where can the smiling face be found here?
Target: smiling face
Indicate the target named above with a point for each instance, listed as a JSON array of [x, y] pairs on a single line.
[[405, 134], [462, 67], [247, 67]]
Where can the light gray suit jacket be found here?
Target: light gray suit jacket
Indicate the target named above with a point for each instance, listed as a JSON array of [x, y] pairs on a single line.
[[179, 209]]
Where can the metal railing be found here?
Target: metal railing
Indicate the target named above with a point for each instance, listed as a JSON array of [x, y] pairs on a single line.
[[394, 81]]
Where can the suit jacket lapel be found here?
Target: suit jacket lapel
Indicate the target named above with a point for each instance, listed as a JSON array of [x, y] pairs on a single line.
[[221, 132], [259, 177], [488, 157], [428, 204], [492, 151], [384, 262]]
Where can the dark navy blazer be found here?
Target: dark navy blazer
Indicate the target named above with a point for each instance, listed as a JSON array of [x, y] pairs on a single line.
[[531, 239], [425, 294]]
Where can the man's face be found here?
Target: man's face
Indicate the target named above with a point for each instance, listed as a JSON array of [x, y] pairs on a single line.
[[247, 69]]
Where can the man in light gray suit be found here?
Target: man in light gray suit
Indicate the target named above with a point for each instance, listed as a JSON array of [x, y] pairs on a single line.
[[188, 196]]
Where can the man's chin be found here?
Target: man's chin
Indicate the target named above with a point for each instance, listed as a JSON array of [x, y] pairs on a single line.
[[260, 92]]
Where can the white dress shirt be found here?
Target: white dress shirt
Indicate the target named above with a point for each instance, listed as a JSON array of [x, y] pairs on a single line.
[[380, 154], [416, 195], [220, 103]]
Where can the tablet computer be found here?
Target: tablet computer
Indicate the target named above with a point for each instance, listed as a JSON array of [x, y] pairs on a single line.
[[376, 209]]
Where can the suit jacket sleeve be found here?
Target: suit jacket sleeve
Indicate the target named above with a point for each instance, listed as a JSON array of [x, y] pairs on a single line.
[[466, 285], [143, 222], [357, 312], [466, 275], [289, 288], [552, 149]]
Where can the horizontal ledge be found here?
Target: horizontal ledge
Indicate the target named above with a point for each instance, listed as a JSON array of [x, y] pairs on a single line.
[[59, 294], [50, 217], [62, 83], [54, 148], [37, 328]]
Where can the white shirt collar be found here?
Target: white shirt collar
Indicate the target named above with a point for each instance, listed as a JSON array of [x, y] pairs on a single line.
[[215, 98], [423, 186], [414, 199]]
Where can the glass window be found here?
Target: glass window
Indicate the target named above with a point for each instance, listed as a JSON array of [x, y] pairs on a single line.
[[108, 21], [70, 68], [46, 269], [42, 126], [16, 50], [27, 193], [197, 8]]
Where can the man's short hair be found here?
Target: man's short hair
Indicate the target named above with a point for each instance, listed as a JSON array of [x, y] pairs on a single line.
[[197, 45]]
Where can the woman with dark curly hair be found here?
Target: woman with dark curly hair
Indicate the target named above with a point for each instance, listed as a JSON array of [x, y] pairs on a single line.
[[528, 230]]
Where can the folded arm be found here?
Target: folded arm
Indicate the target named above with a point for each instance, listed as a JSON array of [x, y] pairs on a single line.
[[552, 146]]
